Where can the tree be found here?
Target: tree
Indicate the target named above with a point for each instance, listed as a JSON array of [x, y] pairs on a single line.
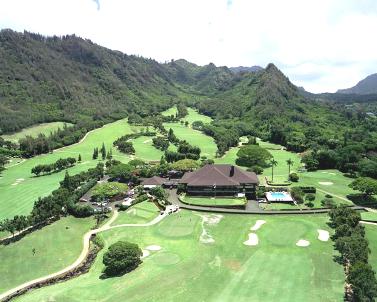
[[121, 257], [363, 281], [95, 153], [253, 155], [366, 185], [289, 163], [293, 177], [159, 193], [310, 197], [185, 165], [297, 194], [273, 164], [79, 158], [109, 155], [108, 190], [123, 172], [103, 151]]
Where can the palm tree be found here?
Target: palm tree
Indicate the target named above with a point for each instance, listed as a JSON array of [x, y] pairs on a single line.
[[273, 164], [289, 163]]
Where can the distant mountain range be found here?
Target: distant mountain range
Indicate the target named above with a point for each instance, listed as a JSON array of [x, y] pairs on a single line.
[[365, 86], [246, 69]]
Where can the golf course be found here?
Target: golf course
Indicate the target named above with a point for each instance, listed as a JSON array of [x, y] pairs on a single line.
[[213, 252]]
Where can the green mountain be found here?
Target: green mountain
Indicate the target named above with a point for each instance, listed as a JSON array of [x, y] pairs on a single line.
[[365, 86]]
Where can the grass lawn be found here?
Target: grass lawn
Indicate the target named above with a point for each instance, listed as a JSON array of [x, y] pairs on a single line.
[[140, 213], [145, 149], [372, 216], [188, 268], [45, 128], [279, 206], [56, 246], [19, 189], [170, 111], [195, 138], [194, 115], [203, 201], [371, 235]]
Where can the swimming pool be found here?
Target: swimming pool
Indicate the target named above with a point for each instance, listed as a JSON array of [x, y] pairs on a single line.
[[279, 196]]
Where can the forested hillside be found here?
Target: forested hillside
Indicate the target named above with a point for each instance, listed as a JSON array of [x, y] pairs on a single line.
[[71, 79]]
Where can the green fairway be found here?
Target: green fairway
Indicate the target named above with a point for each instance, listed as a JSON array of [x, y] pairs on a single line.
[[371, 235], [203, 258], [219, 201], [56, 246], [170, 111], [371, 216], [19, 189], [194, 115], [195, 138], [33, 131], [140, 213], [145, 149]]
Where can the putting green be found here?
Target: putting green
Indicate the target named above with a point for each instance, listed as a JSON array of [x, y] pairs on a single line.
[[137, 214], [45, 128], [145, 150], [56, 246], [170, 111], [194, 115], [225, 270], [19, 188]]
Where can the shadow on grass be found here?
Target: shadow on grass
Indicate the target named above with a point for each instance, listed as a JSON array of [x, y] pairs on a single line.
[[363, 200]]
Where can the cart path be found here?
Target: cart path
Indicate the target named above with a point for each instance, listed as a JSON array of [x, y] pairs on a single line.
[[84, 252]]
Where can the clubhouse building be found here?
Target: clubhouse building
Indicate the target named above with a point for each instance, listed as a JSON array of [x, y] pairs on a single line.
[[220, 180]]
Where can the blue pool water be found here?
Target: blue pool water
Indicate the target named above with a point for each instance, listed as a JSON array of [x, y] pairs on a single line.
[[278, 195]]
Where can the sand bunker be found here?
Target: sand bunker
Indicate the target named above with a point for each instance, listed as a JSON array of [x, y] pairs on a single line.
[[131, 211], [147, 141], [326, 183], [211, 219], [257, 225], [153, 248], [323, 235], [303, 243], [332, 173], [146, 253], [18, 180], [253, 240]]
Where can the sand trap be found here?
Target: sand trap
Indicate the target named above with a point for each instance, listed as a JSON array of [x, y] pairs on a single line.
[[147, 141], [326, 183], [323, 235], [153, 248], [146, 253], [131, 211], [303, 243], [14, 184], [332, 173], [20, 179], [210, 219], [257, 225], [253, 240]]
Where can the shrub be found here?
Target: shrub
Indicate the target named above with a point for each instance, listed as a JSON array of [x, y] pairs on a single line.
[[310, 197], [121, 257], [308, 189], [297, 194], [256, 169], [310, 204], [328, 203], [293, 177], [328, 196]]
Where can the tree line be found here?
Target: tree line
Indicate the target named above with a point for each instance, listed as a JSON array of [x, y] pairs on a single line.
[[59, 165], [350, 241]]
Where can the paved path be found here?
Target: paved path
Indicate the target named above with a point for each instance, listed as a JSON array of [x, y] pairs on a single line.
[[84, 252], [368, 222], [173, 198]]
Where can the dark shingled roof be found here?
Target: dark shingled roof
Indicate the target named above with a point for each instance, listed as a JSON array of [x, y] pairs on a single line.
[[153, 181], [221, 175]]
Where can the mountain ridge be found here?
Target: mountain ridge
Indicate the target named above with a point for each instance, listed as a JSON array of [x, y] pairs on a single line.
[[366, 86]]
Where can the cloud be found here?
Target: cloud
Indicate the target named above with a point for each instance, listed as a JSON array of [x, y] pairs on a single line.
[[98, 4], [322, 45]]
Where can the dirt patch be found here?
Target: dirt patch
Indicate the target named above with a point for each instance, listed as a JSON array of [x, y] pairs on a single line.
[[233, 265]]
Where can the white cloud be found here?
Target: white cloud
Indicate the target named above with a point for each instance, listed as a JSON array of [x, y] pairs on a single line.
[[322, 45]]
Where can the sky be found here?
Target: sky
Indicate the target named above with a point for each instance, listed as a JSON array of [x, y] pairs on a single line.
[[322, 45]]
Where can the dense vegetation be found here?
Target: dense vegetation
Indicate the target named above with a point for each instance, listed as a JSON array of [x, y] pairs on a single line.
[[59, 165], [353, 247]]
